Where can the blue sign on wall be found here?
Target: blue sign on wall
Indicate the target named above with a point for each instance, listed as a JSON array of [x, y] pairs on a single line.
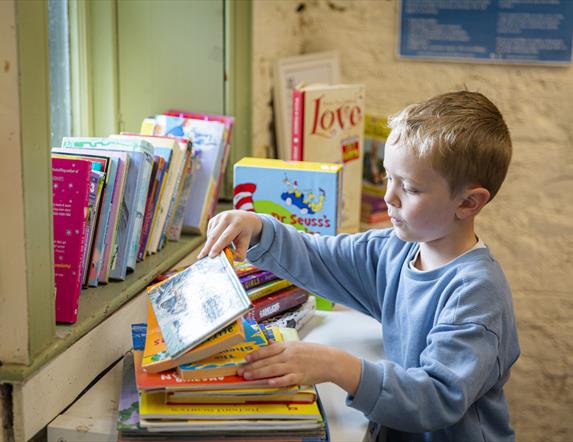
[[524, 31]]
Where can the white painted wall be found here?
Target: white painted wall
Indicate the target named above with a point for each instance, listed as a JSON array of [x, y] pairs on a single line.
[[529, 224], [13, 297]]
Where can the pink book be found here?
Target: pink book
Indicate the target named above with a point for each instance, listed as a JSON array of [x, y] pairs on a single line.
[[70, 195]]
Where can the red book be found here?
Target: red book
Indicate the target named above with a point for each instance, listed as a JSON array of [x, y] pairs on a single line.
[[276, 303], [70, 195]]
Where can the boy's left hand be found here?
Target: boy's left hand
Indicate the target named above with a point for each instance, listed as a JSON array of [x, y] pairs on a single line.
[[288, 363]]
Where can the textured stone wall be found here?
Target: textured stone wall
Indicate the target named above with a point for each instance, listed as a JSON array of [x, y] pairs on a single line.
[[529, 224]]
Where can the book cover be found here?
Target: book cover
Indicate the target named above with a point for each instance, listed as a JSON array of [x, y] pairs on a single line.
[[268, 288], [70, 194], [156, 358], [277, 303], [303, 194], [328, 126], [227, 361], [208, 138], [197, 302], [229, 122], [128, 407], [244, 268]]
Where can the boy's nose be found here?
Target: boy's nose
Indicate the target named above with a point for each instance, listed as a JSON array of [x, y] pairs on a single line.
[[390, 196]]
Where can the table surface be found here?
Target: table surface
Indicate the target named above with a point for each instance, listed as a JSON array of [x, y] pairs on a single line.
[[93, 416]]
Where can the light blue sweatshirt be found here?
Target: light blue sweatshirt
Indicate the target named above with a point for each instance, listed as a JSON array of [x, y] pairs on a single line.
[[449, 334]]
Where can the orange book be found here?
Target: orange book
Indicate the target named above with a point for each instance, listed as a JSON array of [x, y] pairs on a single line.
[[156, 358]]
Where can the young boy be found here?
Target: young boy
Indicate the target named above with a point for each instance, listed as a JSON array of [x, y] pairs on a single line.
[[444, 304]]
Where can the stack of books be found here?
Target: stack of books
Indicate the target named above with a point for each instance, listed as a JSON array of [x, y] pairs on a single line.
[[374, 211], [180, 379], [119, 199], [276, 302]]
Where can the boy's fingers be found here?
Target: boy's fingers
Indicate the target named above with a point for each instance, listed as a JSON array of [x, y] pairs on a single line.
[[223, 239], [268, 371], [265, 352]]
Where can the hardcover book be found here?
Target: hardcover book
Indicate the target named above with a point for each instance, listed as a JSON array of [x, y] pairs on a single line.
[[294, 318], [198, 302], [303, 194], [70, 194], [156, 358], [153, 406], [328, 126]]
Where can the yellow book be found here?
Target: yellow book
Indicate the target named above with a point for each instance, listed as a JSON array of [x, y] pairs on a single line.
[[153, 406], [296, 394], [268, 288]]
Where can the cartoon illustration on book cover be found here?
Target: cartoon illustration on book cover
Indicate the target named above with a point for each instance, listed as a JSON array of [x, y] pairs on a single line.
[[305, 199]]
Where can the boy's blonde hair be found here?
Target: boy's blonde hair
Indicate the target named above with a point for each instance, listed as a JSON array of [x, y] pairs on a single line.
[[462, 133]]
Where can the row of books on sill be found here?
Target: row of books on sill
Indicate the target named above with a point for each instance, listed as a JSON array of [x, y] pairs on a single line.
[[181, 378], [119, 199]]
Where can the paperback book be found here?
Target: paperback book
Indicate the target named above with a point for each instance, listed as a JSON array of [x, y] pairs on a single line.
[[70, 194], [198, 302]]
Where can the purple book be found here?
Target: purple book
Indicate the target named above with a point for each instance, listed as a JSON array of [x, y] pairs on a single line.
[[70, 195], [257, 279]]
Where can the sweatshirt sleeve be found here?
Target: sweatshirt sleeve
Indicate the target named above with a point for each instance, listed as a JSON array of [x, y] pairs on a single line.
[[333, 267], [458, 365]]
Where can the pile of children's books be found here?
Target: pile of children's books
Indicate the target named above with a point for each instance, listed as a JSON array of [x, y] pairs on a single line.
[[119, 199], [180, 379]]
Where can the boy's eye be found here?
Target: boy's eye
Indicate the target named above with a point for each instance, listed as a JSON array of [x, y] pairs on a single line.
[[409, 190]]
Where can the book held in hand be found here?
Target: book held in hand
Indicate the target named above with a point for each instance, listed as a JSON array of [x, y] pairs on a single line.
[[197, 302]]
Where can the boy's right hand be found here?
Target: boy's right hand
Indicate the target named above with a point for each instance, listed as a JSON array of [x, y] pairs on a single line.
[[233, 226]]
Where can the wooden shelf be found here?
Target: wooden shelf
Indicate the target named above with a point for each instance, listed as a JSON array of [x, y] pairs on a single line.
[[96, 304]]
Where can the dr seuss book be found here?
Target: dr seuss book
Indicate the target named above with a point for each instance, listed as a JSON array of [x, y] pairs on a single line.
[[305, 195]]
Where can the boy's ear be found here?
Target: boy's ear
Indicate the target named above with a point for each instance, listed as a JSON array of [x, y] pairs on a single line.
[[474, 198]]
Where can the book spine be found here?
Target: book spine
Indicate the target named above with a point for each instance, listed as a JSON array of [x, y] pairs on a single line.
[[174, 230], [145, 173], [111, 233], [273, 305], [297, 124], [257, 279], [149, 204]]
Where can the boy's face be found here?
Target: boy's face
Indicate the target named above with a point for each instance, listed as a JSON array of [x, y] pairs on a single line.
[[419, 200]]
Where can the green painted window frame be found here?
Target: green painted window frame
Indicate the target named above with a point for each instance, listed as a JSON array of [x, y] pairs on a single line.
[[95, 90]]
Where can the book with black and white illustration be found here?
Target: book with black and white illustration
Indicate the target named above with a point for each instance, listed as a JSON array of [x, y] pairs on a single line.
[[197, 302]]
